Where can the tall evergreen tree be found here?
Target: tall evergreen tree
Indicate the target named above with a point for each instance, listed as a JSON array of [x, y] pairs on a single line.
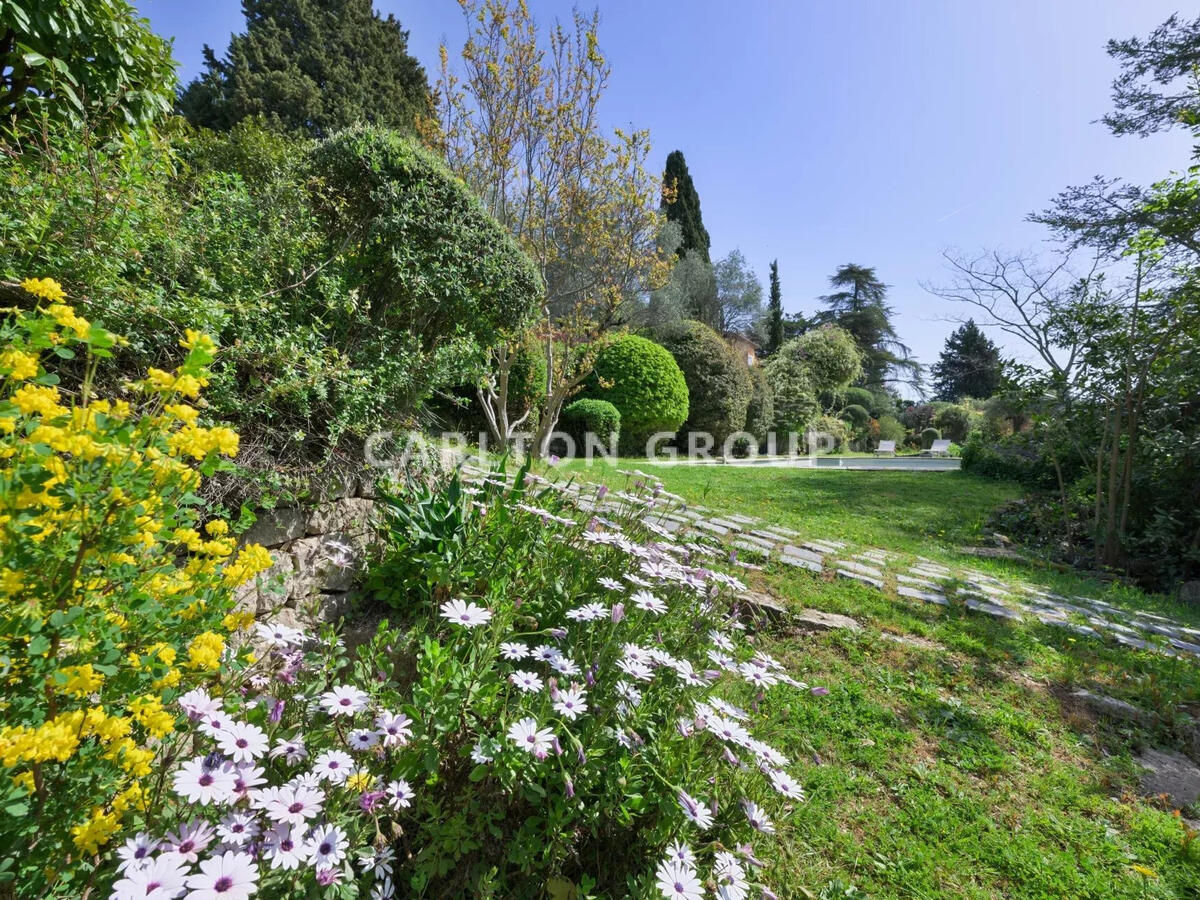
[[774, 311], [684, 207], [311, 66], [969, 365], [860, 306]]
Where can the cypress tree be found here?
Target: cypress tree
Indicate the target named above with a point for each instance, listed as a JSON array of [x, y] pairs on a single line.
[[684, 207], [311, 66], [774, 311]]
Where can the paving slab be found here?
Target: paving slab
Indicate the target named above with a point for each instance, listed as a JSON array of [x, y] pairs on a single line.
[[927, 596]]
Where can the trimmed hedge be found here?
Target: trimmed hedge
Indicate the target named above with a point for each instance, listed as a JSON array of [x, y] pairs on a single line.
[[718, 381], [760, 414], [599, 417], [928, 436], [643, 381], [856, 415]]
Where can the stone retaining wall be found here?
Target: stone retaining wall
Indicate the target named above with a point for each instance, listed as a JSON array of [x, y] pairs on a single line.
[[320, 548]]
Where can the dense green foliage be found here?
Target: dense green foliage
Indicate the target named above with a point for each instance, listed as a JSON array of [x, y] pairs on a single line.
[[890, 429], [345, 279], [681, 204], [856, 415], [859, 305], [969, 365], [312, 67], [595, 417], [760, 414], [718, 381], [954, 422], [824, 359], [92, 63], [643, 381], [928, 436]]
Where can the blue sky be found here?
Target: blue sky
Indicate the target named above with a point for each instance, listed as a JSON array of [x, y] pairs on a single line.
[[819, 133]]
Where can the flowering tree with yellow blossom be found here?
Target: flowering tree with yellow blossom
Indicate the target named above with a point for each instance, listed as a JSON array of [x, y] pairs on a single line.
[[116, 596], [521, 126]]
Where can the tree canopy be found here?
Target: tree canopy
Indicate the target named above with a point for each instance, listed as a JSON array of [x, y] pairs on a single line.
[[969, 365], [774, 312], [313, 67], [859, 305], [81, 61]]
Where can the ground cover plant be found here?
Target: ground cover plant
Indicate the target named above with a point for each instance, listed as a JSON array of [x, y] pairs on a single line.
[[950, 759]]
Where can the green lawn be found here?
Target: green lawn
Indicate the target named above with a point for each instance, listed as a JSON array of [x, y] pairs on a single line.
[[951, 763]]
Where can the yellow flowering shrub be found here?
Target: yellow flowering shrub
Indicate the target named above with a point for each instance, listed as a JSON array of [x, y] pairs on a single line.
[[115, 590]]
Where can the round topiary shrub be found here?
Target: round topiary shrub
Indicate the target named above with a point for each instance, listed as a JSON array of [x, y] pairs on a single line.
[[588, 416], [643, 381], [928, 436], [718, 381], [856, 396], [856, 415]]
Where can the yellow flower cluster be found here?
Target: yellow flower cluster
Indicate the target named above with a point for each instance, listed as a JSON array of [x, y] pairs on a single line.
[[198, 443], [252, 560], [107, 487], [19, 364], [81, 680], [46, 288], [162, 382], [204, 652]]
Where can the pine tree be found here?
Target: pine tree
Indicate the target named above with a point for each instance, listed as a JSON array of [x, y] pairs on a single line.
[[684, 207], [861, 308], [311, 66], [969, 366], [774, 311]]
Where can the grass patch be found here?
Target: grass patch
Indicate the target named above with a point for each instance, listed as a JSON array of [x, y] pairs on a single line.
[[948, 760]]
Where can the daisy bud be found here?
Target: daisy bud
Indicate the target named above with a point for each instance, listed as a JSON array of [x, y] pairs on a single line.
[[558, 633], [557, 747], [601, 491], [570, 786], [276, 712], [819, 691], [618, 612]]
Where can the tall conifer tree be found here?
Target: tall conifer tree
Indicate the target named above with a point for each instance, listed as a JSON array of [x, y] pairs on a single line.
[[311, 66], [684, 207], [774, 311]]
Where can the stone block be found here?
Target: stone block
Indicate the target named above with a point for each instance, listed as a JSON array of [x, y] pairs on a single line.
[[275, 527]]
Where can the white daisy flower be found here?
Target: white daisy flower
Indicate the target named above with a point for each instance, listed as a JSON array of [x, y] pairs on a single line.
[[344, 700], [294, 804], [135, 852], [527, 682], [399, 794], [571, 703], [394, 729], [291, 749], [513, 650], [362, 739], [283, 847], [677, 881], [242, 742], [196, 781], [163, 878], [589, 612], [565, 666], [485, 750], [238, 828], [610, 584], [468, 615], [785, 784], [695, 810], [326, 846], [526, 735], [333, 766], [546, 653], [758, 819]]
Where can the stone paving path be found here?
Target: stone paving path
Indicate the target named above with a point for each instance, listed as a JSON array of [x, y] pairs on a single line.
[[756, 543]]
